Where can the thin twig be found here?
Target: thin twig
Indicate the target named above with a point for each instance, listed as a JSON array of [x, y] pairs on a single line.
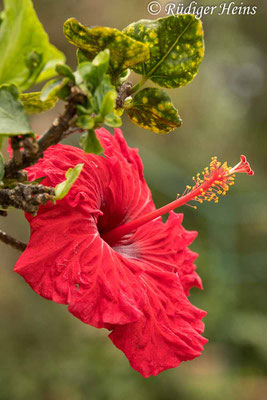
[[71, 130], [16, 244]]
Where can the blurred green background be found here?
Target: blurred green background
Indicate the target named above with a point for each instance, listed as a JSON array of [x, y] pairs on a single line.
[[47, 354]]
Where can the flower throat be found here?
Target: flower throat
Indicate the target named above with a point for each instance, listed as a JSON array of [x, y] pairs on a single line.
[[214, 180]]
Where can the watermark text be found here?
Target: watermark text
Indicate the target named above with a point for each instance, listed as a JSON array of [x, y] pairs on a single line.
[[225, 8]]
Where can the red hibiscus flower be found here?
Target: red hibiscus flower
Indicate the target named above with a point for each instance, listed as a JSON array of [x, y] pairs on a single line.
[[104, 251]]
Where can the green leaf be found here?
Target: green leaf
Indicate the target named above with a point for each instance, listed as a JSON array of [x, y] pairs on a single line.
[[12, 182], [125, 75], [36, 181], [101, 61], [13, 120], [85, 121], [85, 109], [34, 105], [63, 188], [66, 71], [53, 88], [49, 70], [25, 51], [124, 51], [112, 120], [82, 56], [2, 167], [92, 73], [176, 48], [103, 88], [90, 143], [108, 103], [100, 66], [152, 109]]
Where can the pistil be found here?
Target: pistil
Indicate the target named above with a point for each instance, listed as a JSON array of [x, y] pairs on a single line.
[[212, 182]]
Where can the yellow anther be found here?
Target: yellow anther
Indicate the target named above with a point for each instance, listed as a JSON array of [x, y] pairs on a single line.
[[216, 179]]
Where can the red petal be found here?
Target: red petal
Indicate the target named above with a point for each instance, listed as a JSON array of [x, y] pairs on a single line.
[[184, 258], [170, 329], [165, 336], [128, 195], [167, 247], [67, 261], [88, 191]]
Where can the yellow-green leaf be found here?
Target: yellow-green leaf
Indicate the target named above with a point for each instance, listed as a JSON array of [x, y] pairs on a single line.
[[152, 109], [112, 120], [108, 103], [124, 51], [34, 105], [52, 88], [63, 188], [25, 52], [66, 71], [176, 48]]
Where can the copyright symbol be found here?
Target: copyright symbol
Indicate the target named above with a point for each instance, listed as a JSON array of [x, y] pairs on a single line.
[[154, 8]]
